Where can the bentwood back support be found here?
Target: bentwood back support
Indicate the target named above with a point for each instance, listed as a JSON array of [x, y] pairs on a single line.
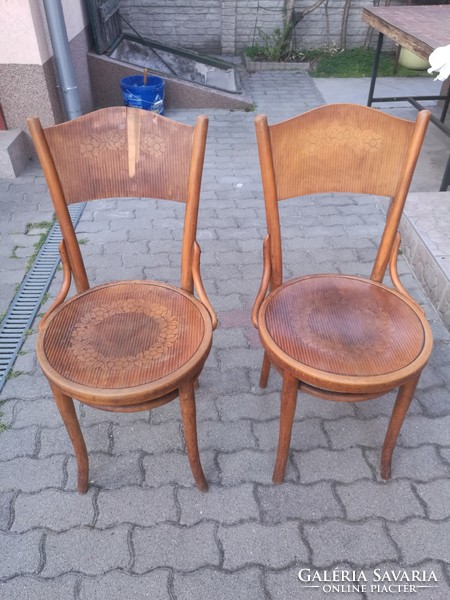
[[339, 337], [129, 345]]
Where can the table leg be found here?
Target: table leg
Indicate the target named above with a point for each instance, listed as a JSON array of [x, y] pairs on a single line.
[[446, 179], [375, 68]]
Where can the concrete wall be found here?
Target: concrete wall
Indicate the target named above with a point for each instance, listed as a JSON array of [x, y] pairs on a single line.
[[228, 26], [28, 82]]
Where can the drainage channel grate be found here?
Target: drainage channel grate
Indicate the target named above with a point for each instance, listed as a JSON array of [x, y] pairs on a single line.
[[28, 299]]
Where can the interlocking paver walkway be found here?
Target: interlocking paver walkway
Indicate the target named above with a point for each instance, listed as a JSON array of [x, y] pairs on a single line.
[[143, 530]]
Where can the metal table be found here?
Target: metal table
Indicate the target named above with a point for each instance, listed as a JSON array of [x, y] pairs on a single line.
[[420, 29]]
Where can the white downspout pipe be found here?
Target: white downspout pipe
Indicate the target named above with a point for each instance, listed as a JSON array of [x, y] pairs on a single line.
[[63, 57]]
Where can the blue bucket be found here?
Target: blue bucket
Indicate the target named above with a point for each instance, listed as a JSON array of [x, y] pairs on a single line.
[[148, 97]]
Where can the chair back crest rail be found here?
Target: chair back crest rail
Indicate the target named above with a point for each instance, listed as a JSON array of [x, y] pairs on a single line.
[[338, 148], [122, 152]]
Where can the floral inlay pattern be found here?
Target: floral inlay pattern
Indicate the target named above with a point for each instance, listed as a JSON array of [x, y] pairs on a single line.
[[95, 145], [153, 145], [83, 339], [315, 324], [341, 137]]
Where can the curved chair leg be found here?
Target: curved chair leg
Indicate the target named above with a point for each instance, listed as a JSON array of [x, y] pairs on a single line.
[[69, 416], [404, 396], [265, 369], [287, 413], [188, 414]]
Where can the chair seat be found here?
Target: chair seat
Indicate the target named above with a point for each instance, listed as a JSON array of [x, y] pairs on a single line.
[[128, 341], [344, 333]]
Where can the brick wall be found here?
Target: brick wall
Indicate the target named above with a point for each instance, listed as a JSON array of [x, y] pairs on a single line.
[[228, 26]]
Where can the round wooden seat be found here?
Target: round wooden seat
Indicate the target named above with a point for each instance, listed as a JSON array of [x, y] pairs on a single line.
[[128, 342], [344, 333]]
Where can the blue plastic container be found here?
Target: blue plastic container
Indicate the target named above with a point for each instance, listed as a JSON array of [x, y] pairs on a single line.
[[148, 97]]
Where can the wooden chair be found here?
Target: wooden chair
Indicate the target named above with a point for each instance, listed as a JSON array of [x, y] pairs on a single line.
[[339, 337], [129, 345]]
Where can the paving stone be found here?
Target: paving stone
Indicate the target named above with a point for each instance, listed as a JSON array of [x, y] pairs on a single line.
[[31, 474], [418, 464], [379, 407], [5, 508], [250, 466], [173, 467], [42, 411], [306, 434], [307, 406], [225, 436], [17, 442], [223, 504], [419, 430], [231, 338], [333, 465], [274, 546], [248, 406], [182, 548], [434, 540], [107, 471], [250, 357], [391, 500], [118, 585], [207, 583], [335, 541], [136, 505], [215, 383], [36, 588], [147, 438], [294, 501], [55, 440], [434, 401], [435, 494], [53, 509], [20, 553], [78, 550], [205, 409], [92, 416], [25, 387], [349, 432]]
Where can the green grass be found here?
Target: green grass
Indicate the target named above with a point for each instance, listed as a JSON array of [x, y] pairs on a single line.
[[3, 426], [332, 62], [39, 225], [357, 62]]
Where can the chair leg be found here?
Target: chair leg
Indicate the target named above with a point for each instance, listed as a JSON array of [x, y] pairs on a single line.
[[69, 416], [404, 396], [265, 369], [287, 413], [188, 414]]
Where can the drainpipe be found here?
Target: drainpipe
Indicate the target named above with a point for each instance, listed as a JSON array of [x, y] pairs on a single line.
[[63, 57]]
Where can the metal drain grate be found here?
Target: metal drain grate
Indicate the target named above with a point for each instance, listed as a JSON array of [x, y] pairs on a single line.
[[28, 299]]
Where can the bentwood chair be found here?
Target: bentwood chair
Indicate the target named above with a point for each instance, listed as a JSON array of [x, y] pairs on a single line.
[[339, 337], [128, 345]]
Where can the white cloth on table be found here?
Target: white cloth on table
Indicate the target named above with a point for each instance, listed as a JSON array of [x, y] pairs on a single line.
[[440, 61]]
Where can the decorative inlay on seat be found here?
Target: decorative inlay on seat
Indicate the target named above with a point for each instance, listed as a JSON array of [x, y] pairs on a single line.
[[124, 334], [344, 325], [142, 332]]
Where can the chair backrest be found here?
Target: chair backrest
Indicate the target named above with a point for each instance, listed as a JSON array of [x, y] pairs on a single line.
[[338, 148], [122, 152]]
